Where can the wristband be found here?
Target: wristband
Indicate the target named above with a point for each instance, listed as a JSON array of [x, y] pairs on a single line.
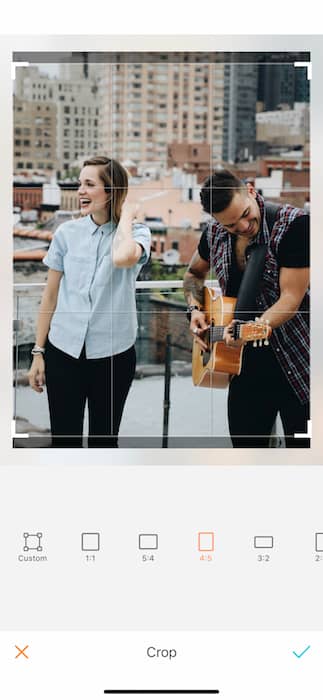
[[37, 350], [190, 308]]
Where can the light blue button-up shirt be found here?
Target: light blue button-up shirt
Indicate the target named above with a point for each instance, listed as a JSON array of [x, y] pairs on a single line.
[[96, 303]]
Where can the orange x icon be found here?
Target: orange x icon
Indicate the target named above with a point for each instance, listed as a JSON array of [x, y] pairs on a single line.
[[22, 651]]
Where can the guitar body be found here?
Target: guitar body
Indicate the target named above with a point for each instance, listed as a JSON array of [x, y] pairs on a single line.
[[214, 369]]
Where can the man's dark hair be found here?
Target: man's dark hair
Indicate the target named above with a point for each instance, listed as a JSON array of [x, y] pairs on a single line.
[[218, 191]]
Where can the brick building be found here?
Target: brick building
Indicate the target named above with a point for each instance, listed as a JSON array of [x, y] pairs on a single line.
[[27, 195], [191, 158]]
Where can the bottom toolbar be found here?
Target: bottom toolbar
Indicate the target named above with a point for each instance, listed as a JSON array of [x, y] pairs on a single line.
[[92, 665]]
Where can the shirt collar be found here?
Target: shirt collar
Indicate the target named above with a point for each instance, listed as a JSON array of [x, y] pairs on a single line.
[[107, 227]]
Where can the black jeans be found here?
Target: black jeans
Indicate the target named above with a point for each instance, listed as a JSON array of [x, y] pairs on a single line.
[[257, 395], [104, 383]]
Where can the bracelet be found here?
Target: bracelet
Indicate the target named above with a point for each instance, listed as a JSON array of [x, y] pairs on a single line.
[[37, 350]]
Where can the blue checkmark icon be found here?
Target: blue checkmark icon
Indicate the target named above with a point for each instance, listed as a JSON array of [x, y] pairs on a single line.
[[299, 656]]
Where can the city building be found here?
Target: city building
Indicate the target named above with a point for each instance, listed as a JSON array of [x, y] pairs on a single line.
[[69, 195], [34, 135], [239, 109], [75, 98], [27, 194], [281, 84], [193, 113], [145, 107], [191, 158], [285, 127]]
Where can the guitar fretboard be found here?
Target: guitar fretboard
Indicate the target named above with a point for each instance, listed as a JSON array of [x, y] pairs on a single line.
[[216, 332]]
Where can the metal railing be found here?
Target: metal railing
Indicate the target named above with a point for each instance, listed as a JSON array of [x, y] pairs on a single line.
[[166, 359]]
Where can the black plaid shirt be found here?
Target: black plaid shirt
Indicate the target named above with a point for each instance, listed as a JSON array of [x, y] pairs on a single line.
[[290, 341]]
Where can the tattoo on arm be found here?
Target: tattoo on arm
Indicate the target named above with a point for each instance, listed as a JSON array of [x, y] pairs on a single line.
[[193, 288]]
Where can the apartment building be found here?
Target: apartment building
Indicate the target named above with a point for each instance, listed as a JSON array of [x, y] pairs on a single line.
[[34, 137], [144, 107], [75, 99]]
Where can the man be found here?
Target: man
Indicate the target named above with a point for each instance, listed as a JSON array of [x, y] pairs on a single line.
[[273, 379]]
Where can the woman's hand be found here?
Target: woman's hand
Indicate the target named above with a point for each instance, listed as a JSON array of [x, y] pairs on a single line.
[[125, 250], [129, 210], [36, 373]]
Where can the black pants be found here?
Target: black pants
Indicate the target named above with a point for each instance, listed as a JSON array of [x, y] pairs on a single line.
[[257, 395], [104, 383]]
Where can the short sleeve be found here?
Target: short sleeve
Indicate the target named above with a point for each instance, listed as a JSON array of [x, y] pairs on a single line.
[[293, 249], [56, 251], [141, 234], [203, 247]]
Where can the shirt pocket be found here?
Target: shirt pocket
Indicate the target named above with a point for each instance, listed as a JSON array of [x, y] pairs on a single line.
[[103, 273], [77, 271]]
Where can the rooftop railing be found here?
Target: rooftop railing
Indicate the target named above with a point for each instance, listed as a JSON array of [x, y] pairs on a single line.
[[164, 408]]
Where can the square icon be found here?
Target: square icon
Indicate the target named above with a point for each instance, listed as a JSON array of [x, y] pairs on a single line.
[[206, 541], [148, 541], [263, 542], [319, 541], [90, 541]]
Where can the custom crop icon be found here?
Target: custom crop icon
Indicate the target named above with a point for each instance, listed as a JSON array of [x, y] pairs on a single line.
[[32, 541]]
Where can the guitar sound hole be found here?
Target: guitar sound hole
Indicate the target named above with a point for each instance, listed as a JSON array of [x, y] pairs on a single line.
[[206, 356], [206, 353]]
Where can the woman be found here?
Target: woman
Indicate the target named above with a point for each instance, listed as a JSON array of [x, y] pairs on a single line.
[[87, 322]]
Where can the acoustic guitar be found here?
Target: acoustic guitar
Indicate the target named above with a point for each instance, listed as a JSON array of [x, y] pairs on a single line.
[[214, 367]]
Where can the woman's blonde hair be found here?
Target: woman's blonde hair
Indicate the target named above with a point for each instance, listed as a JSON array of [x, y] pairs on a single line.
[[115, 180]]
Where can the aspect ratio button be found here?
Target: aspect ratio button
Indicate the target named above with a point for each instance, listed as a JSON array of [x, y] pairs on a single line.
[[154, 653]]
